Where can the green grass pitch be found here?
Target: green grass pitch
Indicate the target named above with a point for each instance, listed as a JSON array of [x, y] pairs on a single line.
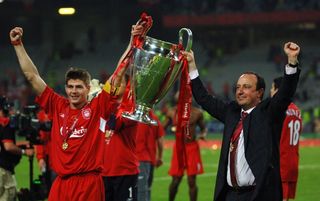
[[307, 189]]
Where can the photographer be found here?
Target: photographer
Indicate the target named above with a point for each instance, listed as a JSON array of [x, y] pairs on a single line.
[[10, 154]]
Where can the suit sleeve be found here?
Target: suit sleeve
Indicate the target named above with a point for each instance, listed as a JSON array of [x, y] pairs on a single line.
[[284, 96], [214, 106]]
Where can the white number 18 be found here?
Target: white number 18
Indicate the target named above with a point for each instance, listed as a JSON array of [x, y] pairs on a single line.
[[294, 126]]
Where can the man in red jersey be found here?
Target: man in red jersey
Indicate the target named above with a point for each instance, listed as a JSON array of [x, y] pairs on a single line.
[[77, 135], [193, 162], [289, 146], [149, 151], [120, 170]]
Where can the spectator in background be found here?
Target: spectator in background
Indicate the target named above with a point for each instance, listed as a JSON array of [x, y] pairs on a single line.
[[193, 162], [289, 146]]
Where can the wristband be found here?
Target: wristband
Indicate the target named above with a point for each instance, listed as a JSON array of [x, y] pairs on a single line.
[[293, 65], [23, 151], [17, 42]]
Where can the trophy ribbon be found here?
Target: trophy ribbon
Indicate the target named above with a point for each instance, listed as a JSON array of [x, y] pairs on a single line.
[[137, 41], [183, 109]]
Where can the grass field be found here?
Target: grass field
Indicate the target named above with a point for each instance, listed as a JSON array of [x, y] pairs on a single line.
[[307, 189]]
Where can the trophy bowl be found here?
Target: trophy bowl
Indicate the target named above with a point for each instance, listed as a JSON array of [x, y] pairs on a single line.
[[154, 68]]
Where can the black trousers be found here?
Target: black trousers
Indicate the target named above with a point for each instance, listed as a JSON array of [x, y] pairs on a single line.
[[121, 188], [239, 195]]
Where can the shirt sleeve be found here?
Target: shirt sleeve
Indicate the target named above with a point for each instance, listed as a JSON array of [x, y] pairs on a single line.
[[49, 100], [193, 74], [107, 103], [289, 70]]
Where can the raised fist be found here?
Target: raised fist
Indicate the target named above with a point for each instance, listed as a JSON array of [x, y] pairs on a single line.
[[291, 49], [16, 35]]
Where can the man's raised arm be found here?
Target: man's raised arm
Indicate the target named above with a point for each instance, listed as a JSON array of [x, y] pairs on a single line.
[[28, 68]]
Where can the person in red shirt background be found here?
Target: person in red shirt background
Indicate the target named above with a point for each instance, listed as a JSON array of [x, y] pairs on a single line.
[[289, 146], [78, 127], [149, 151]]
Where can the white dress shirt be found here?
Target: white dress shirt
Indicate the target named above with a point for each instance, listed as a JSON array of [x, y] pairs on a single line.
[[244, 175]]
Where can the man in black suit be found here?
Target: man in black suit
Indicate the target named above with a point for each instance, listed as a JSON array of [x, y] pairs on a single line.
[[249, 160]]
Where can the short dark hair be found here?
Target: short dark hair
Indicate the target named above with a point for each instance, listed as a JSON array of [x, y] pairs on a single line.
[[277, 82], [261, 84], [78, 73]]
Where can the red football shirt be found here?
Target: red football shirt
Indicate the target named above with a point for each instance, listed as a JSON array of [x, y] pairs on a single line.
[[289, 144], [147, 136], [120, 156], [86, 140], [147, 140]]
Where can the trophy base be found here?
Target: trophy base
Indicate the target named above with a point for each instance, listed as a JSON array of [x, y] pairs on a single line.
[[140, 114]]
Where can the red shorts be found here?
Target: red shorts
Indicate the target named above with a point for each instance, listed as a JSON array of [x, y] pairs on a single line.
[[289, 190], [193, 159], [82, 187]]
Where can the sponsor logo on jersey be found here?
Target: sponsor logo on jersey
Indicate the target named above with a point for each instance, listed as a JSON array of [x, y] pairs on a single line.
[[76, 133], [80, 132]]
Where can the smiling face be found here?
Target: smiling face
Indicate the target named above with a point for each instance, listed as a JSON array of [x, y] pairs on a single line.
[[247, 95], [77, 92]]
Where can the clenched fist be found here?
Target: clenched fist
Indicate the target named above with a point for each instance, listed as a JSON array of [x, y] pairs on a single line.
[[16, 35], [292, 50]]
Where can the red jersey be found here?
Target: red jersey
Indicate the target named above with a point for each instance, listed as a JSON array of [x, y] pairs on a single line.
[[85, 130], [120, 156], [147, 136], [289, 144]]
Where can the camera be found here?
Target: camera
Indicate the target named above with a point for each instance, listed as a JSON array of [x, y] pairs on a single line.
[[28, 125]]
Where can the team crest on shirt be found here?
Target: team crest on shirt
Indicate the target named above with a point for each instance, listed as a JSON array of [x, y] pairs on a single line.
[[86, 113]]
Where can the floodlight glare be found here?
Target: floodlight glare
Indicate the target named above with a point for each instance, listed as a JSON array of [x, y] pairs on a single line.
[[67, 11]]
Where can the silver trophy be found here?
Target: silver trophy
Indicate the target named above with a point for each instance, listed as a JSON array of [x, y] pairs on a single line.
[[154, 68]]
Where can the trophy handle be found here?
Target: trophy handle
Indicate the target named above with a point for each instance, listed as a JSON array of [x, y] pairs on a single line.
[[189, 42]]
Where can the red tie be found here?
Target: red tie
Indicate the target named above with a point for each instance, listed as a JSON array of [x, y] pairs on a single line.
[[233, 149]]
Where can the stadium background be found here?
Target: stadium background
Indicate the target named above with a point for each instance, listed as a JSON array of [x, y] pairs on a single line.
[[229, 37]]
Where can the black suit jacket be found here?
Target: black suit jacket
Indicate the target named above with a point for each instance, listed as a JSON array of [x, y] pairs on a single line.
[[262, 131]]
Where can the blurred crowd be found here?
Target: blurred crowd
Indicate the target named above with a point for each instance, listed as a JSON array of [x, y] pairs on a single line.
[[227, 6]]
